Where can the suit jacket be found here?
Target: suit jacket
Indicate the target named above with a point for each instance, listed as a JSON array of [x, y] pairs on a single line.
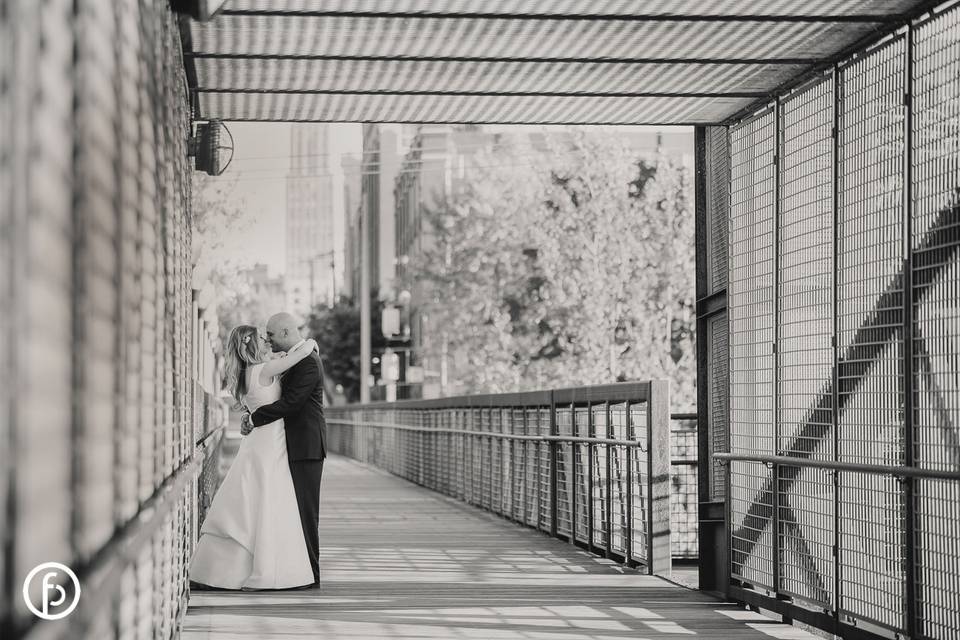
[[301, 407]]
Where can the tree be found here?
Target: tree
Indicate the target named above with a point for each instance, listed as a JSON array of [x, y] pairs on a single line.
[[616, 237], [213, 213], [575, 268], [478, 285], [337, 332]]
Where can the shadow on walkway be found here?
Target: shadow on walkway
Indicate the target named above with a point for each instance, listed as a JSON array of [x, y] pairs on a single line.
[[400, 561]]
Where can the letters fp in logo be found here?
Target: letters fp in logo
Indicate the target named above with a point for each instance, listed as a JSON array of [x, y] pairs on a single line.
[[52, 594]]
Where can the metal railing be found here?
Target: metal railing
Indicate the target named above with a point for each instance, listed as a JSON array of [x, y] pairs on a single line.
[[590, 465]]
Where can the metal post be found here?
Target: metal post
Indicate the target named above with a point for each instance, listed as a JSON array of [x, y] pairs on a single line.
[[610, 483], [364, 303], [589, 472], [628, 530], [775, 525], [552, 447], [836, 340], [914, 620]]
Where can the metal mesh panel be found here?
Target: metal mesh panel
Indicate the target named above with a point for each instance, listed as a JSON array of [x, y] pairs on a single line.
[[532, 471], [519, 465], [935, 162], [805, 347], [870, 255], [380, 36], [582, 471], [460, 109], [719, 376], [471, 77], [619, 525], [600, 471], [100, 274], [568, 473], [639, 482], [545, 494], [6, 274], [751, 305], [718, 201], [684, 503], [38, 275]]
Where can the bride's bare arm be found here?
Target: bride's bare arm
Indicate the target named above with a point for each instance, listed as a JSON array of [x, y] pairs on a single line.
[[274, 368]]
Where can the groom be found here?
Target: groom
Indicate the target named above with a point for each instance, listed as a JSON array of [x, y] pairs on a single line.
[[301, 407]]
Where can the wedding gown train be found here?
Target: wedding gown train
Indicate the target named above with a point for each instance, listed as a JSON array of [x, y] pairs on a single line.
[[252, 537]]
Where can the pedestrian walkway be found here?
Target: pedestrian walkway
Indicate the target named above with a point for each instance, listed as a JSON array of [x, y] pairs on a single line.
[[400, 561]]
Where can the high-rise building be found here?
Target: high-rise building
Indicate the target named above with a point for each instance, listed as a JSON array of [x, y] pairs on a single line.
[[383, 149], [314, 219], [352, 200]]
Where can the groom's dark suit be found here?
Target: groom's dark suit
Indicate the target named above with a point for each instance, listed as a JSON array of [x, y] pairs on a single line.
[[301, 407]]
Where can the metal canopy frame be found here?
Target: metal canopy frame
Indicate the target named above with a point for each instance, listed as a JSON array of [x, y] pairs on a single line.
[[678, 62]]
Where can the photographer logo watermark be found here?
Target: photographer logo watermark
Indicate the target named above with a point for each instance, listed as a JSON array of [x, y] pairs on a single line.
[[53, 597]]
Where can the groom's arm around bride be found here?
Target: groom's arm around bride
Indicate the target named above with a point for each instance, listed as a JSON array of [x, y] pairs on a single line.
[[301, 408]]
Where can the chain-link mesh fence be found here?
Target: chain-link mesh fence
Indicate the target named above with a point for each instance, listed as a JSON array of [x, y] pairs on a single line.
[[843, 316], [98, 323]]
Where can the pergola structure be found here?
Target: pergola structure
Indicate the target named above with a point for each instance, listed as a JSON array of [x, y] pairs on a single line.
[[828, 276], [552, 61], [827, 174]]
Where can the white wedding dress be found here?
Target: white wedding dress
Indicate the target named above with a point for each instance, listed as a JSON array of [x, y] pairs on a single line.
[[252, 537]]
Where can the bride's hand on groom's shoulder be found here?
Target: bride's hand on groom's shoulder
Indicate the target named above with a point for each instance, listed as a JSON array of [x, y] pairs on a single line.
[[246, 426]]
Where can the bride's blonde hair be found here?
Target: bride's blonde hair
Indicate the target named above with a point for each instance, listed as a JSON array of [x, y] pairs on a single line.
[[243, 349]]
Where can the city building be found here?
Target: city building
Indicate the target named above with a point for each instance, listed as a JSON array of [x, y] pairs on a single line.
[[315, 216], [352, 200]]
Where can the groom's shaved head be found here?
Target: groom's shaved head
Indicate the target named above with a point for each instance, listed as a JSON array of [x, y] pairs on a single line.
[[283, 331]]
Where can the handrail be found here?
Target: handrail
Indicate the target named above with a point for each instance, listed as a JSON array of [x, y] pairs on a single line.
[[203, 439], [412, 438], [489, 434], [790, 461], [614, 392], [110, 562]]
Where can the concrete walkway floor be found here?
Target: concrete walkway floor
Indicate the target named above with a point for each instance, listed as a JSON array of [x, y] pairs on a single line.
[[400, 561]]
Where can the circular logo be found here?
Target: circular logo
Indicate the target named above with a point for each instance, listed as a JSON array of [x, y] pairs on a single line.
[[52, 594]]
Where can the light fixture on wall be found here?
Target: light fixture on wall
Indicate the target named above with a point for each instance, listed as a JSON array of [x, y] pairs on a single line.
[[202, 10], [207, 150]]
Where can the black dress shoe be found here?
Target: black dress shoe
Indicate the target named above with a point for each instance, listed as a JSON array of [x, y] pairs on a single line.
[[199, 586], [312, 585]]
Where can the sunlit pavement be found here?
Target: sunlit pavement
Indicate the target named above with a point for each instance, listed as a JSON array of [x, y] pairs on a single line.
[[399, 561]]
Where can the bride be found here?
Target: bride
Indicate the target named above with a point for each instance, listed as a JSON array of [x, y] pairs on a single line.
[[252, 537]]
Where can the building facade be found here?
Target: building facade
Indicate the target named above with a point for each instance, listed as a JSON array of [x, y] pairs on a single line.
[[314, 219]]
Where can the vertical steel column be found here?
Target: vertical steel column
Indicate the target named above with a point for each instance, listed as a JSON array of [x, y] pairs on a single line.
[[610, 483], [775, 524], [589, 472], [728, 500], [909, 383], [628, 530], [835, 340]]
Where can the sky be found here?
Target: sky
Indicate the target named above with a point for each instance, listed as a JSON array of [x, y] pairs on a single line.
[[258, 174]]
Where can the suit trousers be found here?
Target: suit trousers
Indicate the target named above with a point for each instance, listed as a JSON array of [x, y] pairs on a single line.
[[306, 476]]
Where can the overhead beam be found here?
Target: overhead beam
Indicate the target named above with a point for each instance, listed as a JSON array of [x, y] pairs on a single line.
[[522, 94], [613, 17], [211, 55]]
